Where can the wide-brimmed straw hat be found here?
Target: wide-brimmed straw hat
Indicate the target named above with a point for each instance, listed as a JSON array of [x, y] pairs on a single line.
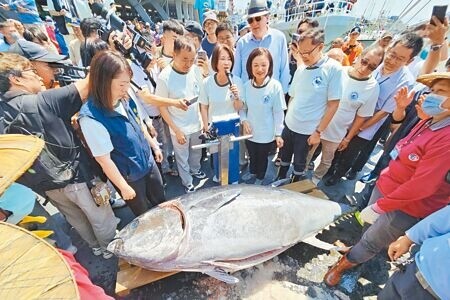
[[257, 8], [428, 79], [17, 154]]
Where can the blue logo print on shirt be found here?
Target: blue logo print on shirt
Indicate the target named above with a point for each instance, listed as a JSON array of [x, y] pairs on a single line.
[[354, 96], [317, 81], [266, 99]]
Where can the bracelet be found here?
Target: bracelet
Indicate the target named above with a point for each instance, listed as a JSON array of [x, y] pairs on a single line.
[[318, 131]]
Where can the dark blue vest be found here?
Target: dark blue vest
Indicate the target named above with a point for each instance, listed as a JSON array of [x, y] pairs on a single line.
[[131, 154]]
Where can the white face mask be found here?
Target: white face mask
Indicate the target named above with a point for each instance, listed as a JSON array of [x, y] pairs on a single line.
[[15, 36]]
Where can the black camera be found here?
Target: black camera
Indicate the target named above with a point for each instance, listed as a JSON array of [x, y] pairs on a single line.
[[138, 40]]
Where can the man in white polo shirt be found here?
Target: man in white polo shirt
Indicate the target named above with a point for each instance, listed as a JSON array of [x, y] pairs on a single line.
[[315, 92], [391, 75], [181, 80]]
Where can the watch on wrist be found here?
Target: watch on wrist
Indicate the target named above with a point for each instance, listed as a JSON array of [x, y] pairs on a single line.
[[436, 47]]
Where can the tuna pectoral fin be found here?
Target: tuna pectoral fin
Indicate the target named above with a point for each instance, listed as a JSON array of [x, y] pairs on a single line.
[[313, 241], [218, 200], [221, 275]]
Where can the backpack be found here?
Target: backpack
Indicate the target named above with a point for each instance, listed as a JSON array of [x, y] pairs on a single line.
[[48, 172]]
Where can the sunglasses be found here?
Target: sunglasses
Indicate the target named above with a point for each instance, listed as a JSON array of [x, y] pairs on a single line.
[[365, 63], [257, 19]]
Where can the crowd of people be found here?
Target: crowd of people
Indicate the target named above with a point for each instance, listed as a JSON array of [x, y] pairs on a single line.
[[134, 117]]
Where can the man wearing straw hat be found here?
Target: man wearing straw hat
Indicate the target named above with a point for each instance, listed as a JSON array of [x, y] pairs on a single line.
[[261, 35]]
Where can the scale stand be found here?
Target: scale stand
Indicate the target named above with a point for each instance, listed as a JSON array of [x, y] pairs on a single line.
[[225, 128]]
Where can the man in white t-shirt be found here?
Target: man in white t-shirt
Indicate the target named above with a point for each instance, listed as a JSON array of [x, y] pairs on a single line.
[[315, 92], [359, 96], [391, 75], [181, 80]]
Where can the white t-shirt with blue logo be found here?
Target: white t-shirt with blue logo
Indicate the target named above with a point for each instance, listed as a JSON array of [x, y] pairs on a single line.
[[359, 97], [219, 98], [174, 85], [261, 103], [311, 89]]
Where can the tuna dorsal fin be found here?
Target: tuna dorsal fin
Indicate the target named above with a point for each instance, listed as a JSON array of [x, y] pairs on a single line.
[[218, 200], [221, 275]]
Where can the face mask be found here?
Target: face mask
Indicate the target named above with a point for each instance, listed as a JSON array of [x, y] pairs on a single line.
[[432, 105], [15, 36]]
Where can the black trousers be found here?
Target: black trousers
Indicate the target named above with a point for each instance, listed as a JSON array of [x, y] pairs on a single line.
[[149, 192], [365, 153], [294, 144], [258, 153], [343, 160]]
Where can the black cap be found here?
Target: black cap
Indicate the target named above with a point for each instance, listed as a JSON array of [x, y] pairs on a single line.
[[33, 51], [356, 29], [194, 27]]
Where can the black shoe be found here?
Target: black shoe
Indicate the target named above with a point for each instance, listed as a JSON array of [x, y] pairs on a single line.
[[351, 175], [331, 180], [297, 177]]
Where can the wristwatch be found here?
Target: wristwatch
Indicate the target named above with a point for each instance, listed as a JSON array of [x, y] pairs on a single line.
[[436, 47]]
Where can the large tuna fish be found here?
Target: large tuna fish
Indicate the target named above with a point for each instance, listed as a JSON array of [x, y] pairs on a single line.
[[222, 229]]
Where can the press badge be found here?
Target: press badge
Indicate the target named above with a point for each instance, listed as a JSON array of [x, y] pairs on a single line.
[[394, 153]]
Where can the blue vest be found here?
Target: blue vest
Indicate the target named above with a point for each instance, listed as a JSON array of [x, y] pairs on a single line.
[[131, 154]]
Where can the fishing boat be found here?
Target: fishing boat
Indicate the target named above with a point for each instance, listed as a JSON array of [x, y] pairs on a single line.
[[335, 16]]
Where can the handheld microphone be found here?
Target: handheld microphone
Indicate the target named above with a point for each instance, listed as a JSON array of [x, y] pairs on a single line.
[[230, 79]]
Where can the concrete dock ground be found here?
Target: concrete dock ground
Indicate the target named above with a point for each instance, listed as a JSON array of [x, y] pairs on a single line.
[[295, 274]]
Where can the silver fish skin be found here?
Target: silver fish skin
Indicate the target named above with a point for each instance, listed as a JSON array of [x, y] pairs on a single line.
[[222, 229]]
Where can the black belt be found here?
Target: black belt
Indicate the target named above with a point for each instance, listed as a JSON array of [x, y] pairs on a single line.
[[155, 117]]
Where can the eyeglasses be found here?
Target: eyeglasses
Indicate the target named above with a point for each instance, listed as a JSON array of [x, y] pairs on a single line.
[[394, 56], [257, 19], [32, 70], [365, 62], [308, 52]]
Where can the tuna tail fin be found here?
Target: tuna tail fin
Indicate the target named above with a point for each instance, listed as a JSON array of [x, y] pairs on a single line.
[[221, 275]]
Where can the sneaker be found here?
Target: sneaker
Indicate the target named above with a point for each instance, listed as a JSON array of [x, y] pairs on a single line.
[[107, 254], [215, 179], [368, 178], [97, 251], [72, 249], [117, 203], [199, 174], [259, 182], [248, 176], [189, 189]]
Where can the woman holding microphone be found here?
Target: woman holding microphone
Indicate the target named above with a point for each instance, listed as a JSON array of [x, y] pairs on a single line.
[[221, 96]]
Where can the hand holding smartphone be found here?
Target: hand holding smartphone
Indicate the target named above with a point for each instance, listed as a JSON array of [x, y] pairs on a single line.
[[439, 12], [202, 55], [295, 37], [192, 100]]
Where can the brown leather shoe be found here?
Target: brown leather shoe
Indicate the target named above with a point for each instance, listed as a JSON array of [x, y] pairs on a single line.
[[334, 274]]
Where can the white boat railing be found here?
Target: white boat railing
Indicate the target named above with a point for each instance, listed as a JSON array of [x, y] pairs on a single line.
[[312, 9]]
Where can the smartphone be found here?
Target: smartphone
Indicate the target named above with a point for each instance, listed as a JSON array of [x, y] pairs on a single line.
[[439, 12], [202, 54], [295, 37], [192, 100]]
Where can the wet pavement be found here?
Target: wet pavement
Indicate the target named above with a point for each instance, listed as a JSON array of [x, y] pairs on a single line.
[[297, 273]]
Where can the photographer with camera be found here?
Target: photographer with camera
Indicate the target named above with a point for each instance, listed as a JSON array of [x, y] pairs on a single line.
[[40, 59], [61, 171]]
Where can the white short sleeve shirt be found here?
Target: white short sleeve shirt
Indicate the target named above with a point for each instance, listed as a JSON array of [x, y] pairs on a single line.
[[358, 98], [219, 98], [311, 90], [261, 104]]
